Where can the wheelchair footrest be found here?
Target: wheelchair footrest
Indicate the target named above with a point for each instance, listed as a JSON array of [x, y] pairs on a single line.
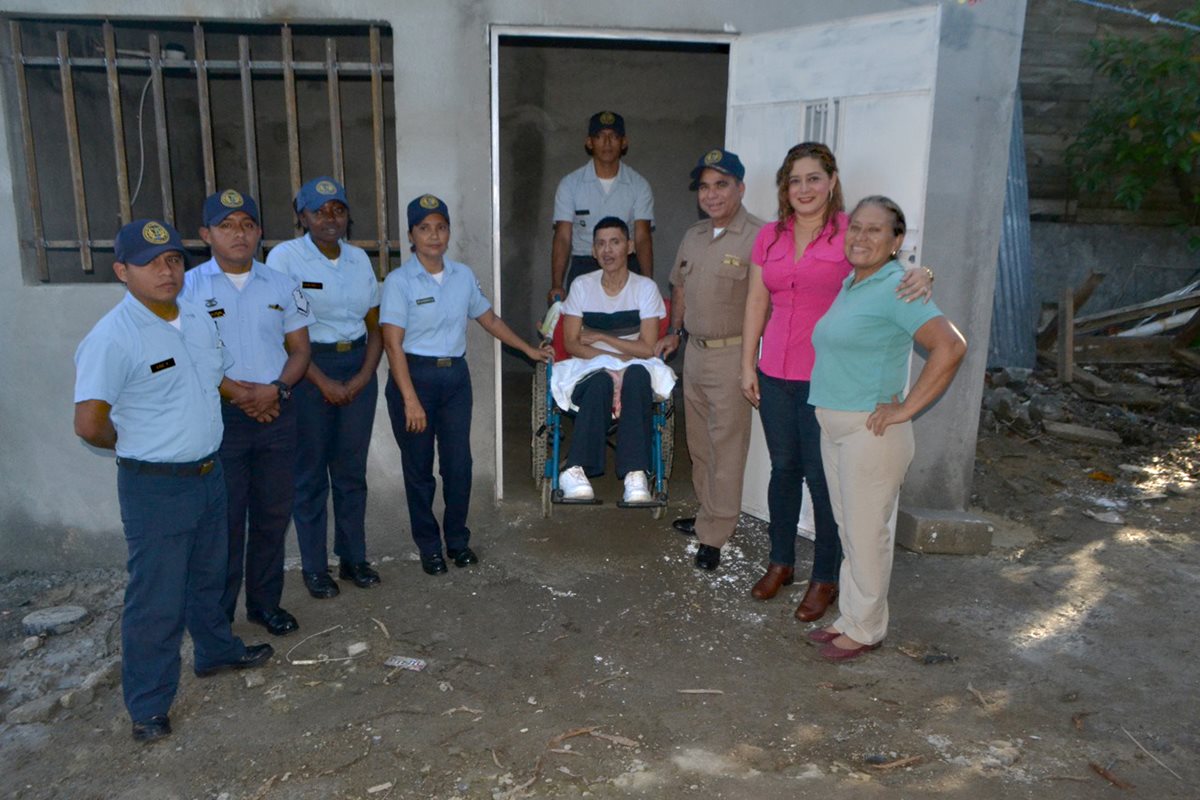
[[566, 501], [647, 504]]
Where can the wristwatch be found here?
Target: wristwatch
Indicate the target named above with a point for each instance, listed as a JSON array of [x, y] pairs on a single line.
[[285, 391], [674, 331]]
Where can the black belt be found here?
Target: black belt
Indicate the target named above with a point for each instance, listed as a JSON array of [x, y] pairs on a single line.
[[344, 346], [189, 469], [442, 361]]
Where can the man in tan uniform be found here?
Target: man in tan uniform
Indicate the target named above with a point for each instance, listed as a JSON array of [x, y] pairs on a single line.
[[708, 299]]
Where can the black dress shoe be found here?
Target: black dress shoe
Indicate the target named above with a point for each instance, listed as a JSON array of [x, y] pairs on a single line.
[[708, 557], [148, 730], [360, 573], [321, 585], [685, 525], [462, 558], [255, 656], [433, 564], [277, 621]]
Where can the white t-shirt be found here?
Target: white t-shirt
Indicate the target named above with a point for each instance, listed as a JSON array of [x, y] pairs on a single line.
[[620, 315]]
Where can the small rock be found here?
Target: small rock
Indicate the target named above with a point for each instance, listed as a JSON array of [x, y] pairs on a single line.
[[1078, 433], [1182, 489], [31, 643], [1000, 754], [357, 649], [1015, 376], [105, 675], [1046, 409], [254, 679], [1110, 517], [37, 710], [75, 698], [1003, 403], [54, 620], [1136, 469]]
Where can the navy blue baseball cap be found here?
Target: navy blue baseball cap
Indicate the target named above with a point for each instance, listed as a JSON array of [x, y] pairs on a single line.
[[721, 161], [606, 119], [423, 206], [220, 205], [318, 192], [143, 240]]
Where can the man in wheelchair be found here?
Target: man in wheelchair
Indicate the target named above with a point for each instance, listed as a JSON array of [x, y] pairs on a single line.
[[610, 326]]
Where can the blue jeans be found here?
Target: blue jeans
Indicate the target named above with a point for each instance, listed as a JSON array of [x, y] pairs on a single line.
[[332, 451], [175, 529], [794, 442], [445, 394], [259, 460]]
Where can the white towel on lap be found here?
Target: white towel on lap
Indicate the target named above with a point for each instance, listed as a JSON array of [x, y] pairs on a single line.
[[566, 374]]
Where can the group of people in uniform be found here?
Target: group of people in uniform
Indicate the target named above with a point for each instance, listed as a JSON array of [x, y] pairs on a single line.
[[201, 382]]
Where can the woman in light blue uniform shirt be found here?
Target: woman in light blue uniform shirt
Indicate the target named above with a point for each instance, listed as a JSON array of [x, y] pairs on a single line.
[[426, 305], [335, 403]]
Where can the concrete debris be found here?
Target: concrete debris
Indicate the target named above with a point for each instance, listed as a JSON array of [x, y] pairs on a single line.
[[357, 649], [1109, 517], [54, 620], [1079, 433], [31, 643], [76, 698], [39, 709], [254, 679]]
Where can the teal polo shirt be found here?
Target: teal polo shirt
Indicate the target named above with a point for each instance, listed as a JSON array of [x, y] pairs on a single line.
[[864, 341]]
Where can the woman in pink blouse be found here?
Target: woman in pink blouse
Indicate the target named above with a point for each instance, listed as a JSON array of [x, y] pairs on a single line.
[[797, 268]]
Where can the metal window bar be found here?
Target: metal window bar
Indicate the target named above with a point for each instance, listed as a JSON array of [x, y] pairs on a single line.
[[821, 118], [246, 68]]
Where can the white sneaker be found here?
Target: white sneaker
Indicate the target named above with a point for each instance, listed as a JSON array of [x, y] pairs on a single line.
[[575, 485], [636, 490]]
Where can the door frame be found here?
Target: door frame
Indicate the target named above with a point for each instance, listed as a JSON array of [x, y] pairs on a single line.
[[495, 34]]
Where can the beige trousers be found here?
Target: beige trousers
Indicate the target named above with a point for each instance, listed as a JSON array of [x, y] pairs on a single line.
[[864, 473], [718, 437]]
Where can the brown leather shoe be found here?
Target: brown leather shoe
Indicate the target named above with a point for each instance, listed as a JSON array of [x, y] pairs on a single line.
[[768, 585], [816, 600]]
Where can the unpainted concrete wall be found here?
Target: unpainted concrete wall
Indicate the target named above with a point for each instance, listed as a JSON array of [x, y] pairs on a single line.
[[57, 500]]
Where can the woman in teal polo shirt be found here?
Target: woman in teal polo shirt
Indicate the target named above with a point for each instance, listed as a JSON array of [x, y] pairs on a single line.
[[863, 344]]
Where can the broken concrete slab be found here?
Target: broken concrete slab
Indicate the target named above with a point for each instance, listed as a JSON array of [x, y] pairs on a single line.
[[1078, 433], [934, 531], [54, 620], [39, 709]]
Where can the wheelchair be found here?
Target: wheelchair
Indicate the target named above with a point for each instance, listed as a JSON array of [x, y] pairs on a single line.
[[546, 423]]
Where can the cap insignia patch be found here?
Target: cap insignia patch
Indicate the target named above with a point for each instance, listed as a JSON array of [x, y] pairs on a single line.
[[154, 233], [607, 118], [429, 201], [712, 157], [231, 198], [325, 187]]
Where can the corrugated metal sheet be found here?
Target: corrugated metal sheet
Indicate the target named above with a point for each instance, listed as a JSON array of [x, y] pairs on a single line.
[[1013, 315]]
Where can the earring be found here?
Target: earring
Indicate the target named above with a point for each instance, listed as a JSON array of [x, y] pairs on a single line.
[[831, 195], [894, 253]]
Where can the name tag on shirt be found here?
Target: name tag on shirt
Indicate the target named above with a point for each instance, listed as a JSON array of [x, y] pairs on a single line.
[[217, 312], [425, 300], [732, 261], [312, 285], [275, 307], [161, 365]]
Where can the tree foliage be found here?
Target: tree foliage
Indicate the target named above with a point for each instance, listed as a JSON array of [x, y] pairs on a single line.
[[1143, 130]]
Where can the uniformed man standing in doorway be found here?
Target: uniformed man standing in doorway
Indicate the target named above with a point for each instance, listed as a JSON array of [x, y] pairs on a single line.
[[708, 300], [147, 378], [263, 320], [603, 187]]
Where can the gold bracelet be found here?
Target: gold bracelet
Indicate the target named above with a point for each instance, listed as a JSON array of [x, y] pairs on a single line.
[[928, 272]]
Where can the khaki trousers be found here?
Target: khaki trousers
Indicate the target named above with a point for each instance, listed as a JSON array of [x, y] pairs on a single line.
[[718, 437], [864, 473]]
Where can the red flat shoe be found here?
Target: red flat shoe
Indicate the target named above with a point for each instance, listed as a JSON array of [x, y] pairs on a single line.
[[822, 636], [834, 653]]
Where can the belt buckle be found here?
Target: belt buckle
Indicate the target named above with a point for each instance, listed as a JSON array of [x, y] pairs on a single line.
[[344, 346], [444, 362], [703, 343], [207, 466]]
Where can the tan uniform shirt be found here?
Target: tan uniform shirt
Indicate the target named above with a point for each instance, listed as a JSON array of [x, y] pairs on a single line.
[[714, 274]]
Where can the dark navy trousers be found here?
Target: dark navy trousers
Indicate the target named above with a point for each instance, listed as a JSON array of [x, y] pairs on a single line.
[[331, 452], [175, 529], [594, 396], [794, 443], [259, 460], [445, 394]]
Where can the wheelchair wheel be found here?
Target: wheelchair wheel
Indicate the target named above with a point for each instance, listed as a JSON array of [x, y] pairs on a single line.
[[547, 505], [668, 442], [540, 435]]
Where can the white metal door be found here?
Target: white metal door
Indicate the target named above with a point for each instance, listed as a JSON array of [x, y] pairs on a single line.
[[863, 86]]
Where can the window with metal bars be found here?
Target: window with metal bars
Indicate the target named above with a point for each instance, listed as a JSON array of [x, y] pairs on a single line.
[[113, 120]]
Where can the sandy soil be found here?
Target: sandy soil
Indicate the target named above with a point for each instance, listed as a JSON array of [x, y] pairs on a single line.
[[586, 657]]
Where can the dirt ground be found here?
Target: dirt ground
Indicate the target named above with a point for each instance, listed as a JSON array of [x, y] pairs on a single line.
[[586, 657]]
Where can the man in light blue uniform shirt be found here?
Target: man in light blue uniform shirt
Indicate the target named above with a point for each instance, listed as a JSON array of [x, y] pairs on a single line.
[[603, 187], [263, 320], [335, 403], [147, 379]]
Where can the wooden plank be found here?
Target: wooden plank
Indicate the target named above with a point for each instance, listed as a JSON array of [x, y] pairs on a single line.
[[73, 154], [381, 215], [293, 125], [160, 130], [204, 106], [1116, 316], [118, 122], [1066, 336], [1189, 332], [1050, 332], [31, 173], [335, 110], [1188, 357], [1124, 349], [251, 138]]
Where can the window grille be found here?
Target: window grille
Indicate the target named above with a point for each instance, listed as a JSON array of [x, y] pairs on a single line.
[[93, 157], [821, 119]]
